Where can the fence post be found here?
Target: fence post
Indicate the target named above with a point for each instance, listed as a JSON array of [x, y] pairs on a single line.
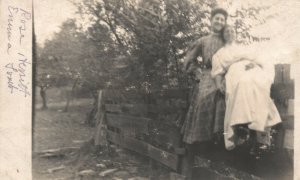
[[100, 135]]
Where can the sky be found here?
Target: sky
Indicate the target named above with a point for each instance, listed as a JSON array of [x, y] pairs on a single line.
[[49, 16]]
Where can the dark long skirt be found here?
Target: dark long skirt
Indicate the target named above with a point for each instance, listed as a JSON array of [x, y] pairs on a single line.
[[205, 115]]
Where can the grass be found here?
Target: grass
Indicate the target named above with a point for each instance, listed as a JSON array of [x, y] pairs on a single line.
[[56, 129]]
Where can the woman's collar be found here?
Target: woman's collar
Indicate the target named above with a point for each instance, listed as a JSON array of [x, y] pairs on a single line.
[[215, 33]]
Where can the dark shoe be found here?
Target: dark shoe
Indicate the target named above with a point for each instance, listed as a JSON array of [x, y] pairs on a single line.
[[242, 132]]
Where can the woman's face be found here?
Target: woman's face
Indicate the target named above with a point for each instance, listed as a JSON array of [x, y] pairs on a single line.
[[218, 22], [229, 34]]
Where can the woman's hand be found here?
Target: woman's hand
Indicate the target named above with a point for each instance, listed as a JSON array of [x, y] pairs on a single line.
[[198, 74], [220, 83], [222, 88]]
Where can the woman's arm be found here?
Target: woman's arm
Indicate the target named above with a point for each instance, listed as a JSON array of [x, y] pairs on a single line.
[[218, 71], [249, 53], [191, 56], [219, 83]]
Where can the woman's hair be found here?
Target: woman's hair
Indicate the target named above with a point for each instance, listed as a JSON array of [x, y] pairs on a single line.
[[223, 30], [218, 10]]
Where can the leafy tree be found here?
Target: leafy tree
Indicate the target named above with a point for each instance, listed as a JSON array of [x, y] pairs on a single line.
[[154, 33], [74, 59]]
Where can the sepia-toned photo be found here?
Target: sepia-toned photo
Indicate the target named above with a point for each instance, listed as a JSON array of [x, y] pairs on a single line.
[[164, 89]]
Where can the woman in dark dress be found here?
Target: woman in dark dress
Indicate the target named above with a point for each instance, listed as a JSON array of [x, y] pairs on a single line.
[[205, 115]]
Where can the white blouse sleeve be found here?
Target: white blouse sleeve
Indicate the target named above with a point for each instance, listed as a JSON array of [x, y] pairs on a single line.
[[217, 66]]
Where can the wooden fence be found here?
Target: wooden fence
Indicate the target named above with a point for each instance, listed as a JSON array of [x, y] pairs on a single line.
[[282, 92], [149, 123]]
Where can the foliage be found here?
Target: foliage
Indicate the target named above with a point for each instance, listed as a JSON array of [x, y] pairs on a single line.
[[153, 33], [71, 56], [134, 44]]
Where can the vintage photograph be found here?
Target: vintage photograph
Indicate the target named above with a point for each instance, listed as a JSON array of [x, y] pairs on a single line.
[[164, 89]]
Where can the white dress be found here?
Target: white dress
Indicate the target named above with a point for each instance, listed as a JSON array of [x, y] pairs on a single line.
[[247, 91]]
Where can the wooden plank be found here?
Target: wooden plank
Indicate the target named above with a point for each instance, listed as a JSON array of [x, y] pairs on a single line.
[[288, 142], [143, 109], [128, 143], [135, 109], [176, 176], [287, 121], [114, 95], [279, 138], [135, 145], [166, 158], [286, 111], [166, 109], [290, 107], [180, 151], [281, 107], [114, 108], [281, 91], [129, 132], [131, 109], [170, 93], [167, 138], [278, 74], [283, 74], [286, 73], [124, 121], [117, 95]]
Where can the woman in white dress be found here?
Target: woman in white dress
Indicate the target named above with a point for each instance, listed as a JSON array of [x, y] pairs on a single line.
[[248, 80]]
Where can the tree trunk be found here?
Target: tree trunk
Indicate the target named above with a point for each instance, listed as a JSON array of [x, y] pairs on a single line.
[[70, 96], [44, 99]]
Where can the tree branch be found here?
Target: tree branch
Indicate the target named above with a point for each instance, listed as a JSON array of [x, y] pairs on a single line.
[[113, 30]]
